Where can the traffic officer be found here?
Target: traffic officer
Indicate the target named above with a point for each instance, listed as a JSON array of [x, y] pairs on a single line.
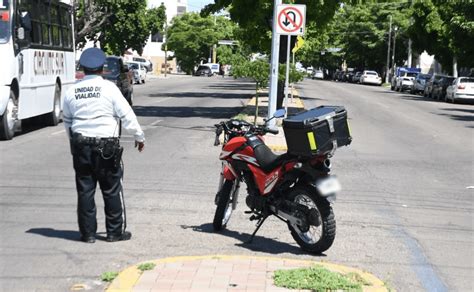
[[92, 111]]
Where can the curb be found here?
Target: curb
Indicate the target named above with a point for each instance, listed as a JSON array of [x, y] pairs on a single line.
[[130, 276]]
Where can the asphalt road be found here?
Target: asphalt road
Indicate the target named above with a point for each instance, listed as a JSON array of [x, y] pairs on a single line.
[[405, 214]]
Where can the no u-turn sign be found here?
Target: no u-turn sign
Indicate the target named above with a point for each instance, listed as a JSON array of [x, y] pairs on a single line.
[[291, 19]]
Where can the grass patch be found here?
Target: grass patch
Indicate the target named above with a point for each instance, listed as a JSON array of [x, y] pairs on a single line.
[[108, 276], [241, 116], [317, 279], [146, 266]]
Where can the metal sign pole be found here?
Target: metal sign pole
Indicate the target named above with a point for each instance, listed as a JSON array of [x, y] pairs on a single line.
[[287, 75], [292, 83], [272, 96]]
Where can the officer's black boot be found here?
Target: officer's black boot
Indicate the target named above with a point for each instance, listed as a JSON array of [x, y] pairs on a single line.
[[126, 235]]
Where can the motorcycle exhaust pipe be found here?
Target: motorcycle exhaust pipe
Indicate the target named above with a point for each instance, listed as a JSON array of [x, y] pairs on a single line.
[[327, 164]]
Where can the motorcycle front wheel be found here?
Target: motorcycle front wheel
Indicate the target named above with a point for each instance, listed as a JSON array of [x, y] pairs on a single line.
[[224, 205], [317, 235]]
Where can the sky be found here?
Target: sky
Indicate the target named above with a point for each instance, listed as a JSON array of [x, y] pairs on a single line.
[[197, 5]]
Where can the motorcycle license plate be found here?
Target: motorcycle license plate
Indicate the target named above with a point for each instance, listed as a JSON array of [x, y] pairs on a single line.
[[328, 186]]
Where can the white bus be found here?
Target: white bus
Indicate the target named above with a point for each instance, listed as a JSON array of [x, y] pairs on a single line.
[[37, 61]]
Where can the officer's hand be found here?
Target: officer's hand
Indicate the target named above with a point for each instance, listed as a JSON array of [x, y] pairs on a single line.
[[140, 145]]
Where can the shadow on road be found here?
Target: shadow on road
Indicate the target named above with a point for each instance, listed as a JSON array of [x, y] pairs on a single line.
[[259, 243], [459, 114], [50, 232], [63, 234], [232, 86], [202, 95], [186, 112], [419, 98]]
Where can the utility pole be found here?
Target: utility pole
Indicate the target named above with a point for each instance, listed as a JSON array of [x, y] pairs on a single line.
[[387, 74], [166, 50], [214, 47], [409, 53], [455, 66], [394, 42], [272, 98], [166, 59]]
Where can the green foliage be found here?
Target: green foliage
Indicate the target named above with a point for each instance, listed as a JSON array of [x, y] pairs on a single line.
[[156, 19], [316, 279], [294, 75], [364, 33], [191, 37], [108, 276], [118, 25], [257, 70], [146, 266], [445, 29], [255, 17]]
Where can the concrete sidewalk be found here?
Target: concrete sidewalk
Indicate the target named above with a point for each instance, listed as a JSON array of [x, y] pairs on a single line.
[[222, 273]]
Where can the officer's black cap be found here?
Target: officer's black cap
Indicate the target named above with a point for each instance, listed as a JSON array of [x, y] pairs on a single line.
[[92, 59]]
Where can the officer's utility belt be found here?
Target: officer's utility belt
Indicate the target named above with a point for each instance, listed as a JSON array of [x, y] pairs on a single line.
[[108, 147], [93, 141]]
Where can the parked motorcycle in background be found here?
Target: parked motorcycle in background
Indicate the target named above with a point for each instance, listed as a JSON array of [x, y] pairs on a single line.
[[296, 186]]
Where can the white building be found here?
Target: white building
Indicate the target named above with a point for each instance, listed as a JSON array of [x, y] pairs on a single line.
[[154, 50]]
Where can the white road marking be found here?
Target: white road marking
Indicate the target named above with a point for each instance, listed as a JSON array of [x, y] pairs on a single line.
[[58, 132], [470, 187], [161, 100], [152, 125]]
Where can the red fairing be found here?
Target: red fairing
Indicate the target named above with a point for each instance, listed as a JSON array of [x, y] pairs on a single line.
[[228, 175], [265, 182], [233, 144]]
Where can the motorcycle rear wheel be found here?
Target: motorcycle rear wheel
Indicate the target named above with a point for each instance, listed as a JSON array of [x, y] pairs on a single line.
[[315, 238], [224, 206]]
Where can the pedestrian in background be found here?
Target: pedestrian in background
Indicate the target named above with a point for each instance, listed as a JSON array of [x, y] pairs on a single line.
[[94, 110]]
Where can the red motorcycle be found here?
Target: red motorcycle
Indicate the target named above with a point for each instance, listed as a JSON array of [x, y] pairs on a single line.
[[296, 186]]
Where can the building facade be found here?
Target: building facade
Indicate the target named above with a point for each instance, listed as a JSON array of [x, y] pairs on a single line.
[[154, 49]]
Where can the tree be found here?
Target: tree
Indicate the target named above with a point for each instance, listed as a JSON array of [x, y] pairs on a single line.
[[191, 37], [91, 15], [445, 29], [118, 25], [362, 33], [257, 71], [255, 17]]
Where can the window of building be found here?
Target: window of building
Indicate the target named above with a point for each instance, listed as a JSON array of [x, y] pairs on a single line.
[[157, 38]]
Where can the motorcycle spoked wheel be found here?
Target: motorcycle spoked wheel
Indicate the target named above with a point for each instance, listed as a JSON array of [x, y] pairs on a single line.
[[224, 205], [318, 235]]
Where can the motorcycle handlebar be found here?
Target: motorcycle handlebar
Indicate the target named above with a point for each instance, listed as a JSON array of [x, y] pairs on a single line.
[[272, 131], [235, 126]]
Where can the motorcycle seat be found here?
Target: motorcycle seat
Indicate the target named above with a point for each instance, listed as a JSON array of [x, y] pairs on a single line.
[[268, 160]]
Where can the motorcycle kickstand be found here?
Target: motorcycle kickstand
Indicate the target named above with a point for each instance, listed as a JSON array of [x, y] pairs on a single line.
[[259, 224]]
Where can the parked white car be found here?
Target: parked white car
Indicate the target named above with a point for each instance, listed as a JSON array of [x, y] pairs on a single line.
[[370, 77], [214, 67], [139, 71], [462, 88], [318, 74], [405, 81]]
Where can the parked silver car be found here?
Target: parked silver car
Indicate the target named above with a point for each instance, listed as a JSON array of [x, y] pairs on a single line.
[[419, 83], [462, 88]]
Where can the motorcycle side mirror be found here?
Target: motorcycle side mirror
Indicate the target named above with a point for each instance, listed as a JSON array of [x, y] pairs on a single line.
[[279, 113]]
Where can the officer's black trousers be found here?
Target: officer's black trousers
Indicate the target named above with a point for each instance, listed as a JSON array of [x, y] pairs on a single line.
[[90, 168]]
